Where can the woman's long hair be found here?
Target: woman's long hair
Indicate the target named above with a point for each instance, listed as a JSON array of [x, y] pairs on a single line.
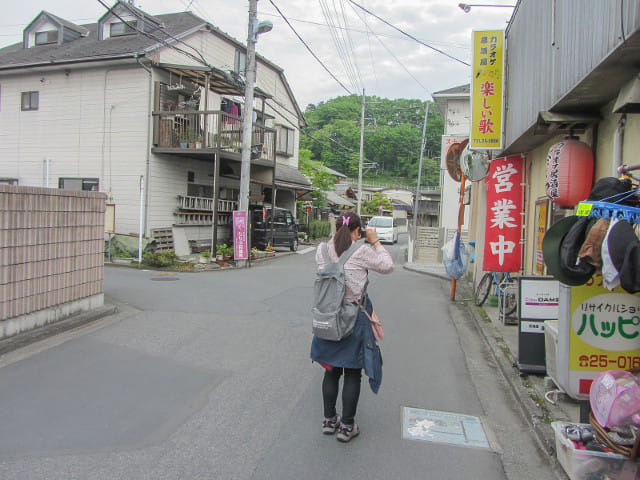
[[347, 222]]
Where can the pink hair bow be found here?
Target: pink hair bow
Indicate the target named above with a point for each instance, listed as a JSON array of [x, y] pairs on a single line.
[[345, 221]]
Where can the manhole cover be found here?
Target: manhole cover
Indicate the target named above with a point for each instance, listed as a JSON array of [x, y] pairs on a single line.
[[164, 277], [443, 427]]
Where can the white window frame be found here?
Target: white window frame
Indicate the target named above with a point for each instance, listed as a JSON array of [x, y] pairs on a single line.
[[49, 38], [86, 184], [128, 30], [286, 140], [29, 101], [240, 62]]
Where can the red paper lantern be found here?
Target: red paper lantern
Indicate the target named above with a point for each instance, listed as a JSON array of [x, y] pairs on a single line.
[[569, 172]]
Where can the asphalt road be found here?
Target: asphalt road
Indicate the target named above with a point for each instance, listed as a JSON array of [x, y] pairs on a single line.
[[207, 376]]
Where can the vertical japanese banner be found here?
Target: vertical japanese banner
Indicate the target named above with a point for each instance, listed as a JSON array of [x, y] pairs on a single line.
[[541, 215], [240, 235], [486, 90], [502, 249]]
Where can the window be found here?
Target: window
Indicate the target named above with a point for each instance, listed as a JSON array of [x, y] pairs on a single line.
[[8, 181], [47, 37], [30, 101], [286, 138], [120, 29], [87, 184], [240, 63], [191, 177]]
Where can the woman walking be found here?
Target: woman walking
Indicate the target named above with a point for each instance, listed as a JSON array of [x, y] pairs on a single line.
[[347, 357]]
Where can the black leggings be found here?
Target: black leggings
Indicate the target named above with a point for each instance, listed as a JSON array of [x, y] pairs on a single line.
[[350, 392]]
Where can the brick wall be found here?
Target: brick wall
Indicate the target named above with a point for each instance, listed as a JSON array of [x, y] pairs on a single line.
[[51, 253]]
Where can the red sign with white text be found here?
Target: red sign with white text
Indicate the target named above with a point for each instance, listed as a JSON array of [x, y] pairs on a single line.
[[502, 248]]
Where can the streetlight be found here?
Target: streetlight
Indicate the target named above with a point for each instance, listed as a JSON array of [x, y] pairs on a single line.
[[255, 28], [466, 7]]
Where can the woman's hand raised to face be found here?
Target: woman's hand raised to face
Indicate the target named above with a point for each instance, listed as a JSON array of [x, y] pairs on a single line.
[[372, 235]]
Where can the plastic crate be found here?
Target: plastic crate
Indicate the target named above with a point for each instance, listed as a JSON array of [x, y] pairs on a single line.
[[587, 464]]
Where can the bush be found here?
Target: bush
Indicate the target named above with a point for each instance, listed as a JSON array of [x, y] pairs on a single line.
[[159, 259], [319, 229]]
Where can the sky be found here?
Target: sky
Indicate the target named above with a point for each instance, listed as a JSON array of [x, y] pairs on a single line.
[[359, 50]]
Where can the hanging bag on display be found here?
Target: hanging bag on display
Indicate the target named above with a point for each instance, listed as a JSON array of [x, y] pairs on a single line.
[[455, 257]]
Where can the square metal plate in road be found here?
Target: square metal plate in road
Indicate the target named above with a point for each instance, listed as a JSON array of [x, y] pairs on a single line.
[[443, 427]]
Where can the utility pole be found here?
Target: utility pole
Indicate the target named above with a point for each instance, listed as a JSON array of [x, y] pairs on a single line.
[[424, 131], [247, 115], [361, 155]]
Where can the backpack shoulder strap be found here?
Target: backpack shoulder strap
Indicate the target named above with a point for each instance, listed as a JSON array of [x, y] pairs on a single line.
[[325, 252], [350, 251]]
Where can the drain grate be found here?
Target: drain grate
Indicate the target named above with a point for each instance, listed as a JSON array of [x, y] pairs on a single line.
[[443, 427], [164, 277]]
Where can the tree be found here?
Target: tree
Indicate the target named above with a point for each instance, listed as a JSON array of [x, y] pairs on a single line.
[[320, 178], [372, 207], [392, 137]]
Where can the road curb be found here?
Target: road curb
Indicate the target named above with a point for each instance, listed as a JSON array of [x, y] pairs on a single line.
[[26, 338]]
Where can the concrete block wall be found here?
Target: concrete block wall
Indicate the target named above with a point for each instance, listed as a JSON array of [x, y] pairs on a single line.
[[51, 254]]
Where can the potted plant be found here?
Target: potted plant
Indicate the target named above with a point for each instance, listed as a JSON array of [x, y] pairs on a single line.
[[220, 251], [269, 251], [199, 140], [228, 252], [205, 256], [254, 253], [184, 140]]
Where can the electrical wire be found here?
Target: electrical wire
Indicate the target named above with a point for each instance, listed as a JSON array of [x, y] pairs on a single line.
[[409, 35], [309, 49], [464, 46], [395, 57], [340, 48], [159, 40], [350, 44]]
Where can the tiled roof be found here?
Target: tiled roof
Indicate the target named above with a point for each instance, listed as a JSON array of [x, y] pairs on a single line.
[[90, 47], [290, 176]]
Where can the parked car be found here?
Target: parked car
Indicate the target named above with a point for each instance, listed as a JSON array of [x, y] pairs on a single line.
[[385, 227], [285, 230]]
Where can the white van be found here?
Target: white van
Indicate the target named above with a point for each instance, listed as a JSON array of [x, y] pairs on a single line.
[[385, 228]]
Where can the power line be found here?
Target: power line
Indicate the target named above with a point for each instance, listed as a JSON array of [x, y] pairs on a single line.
[[157, 39], [392, 54], [357, 30], [309, 48], [348, 35], [409, 35], [340, 47]]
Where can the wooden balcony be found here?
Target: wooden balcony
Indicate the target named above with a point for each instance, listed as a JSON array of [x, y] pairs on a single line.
[[200, 134]]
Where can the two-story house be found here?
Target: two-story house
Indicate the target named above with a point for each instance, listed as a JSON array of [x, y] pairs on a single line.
[[146, 108]]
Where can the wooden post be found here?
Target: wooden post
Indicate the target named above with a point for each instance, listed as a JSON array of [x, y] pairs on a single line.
[[460, 215]]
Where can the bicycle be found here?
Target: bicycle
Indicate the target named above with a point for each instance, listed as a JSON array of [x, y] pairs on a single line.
[[507, 295]]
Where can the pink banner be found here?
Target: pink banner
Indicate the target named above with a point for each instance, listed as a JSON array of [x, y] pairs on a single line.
[[240, 235], [502, 248]]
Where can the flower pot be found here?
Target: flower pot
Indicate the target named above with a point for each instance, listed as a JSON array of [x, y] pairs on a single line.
[[198, 144], [184, 144], [204, 259], [269, 254]]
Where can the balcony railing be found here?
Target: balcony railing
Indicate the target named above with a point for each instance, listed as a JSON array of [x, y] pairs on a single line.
[[205, 204], [198, 210], [203, 131]]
